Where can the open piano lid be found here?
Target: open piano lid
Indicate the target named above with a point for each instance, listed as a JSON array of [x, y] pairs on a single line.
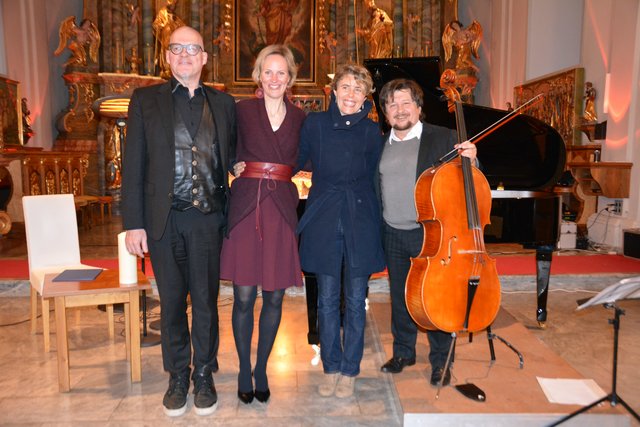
[[524, 154]]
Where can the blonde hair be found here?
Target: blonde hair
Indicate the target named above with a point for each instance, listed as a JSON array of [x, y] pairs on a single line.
[[275, 49], [360, 73]]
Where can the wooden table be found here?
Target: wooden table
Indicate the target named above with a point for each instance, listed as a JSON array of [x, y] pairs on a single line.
[[105, 289]]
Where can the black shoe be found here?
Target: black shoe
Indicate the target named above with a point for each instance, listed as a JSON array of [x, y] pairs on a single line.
[[175, 399], [436, 376], [263, 396], [396, 364], [245, 398], [205, 398]]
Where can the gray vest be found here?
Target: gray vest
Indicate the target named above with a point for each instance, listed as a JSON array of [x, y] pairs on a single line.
[[198, 174]]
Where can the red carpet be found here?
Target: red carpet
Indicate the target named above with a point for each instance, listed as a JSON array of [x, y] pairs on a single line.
[[569, 264], [507, 265]]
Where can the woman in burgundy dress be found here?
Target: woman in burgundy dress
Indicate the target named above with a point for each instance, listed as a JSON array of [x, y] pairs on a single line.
[[262, 249]]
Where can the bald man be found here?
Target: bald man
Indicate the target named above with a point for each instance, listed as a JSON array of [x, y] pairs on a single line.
[[181, 138]]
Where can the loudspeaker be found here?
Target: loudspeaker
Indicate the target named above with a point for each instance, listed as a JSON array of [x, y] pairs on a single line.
[[631, 244]]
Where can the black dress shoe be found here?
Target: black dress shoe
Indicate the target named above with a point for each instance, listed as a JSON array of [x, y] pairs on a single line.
[[397, 364], [245, 398], [436, 376], [263, 396]]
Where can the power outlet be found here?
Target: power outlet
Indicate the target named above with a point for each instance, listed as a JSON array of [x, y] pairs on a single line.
[[617, 207]]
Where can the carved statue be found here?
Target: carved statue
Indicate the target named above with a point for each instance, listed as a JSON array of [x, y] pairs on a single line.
[[27, 131], [466, 43], [590, 103], [79, 39], [378, 32], [165, 23]]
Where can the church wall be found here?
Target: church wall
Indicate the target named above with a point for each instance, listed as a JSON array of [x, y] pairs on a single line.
[[480, 11], [3, 55], [534, 38], [554, 36], [30, 30]]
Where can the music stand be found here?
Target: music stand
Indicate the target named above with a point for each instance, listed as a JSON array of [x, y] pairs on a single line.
[[624, 289]]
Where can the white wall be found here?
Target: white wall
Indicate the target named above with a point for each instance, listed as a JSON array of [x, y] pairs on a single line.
[[554, 36], [30, 31], [3, 55], [532, 38], [612, 28], [481, 12]]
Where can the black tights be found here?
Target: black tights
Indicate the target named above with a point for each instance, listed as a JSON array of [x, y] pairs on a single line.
[[244, 298]]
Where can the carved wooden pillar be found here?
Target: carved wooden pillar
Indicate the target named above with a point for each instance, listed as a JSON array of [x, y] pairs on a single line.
[[78, 122]]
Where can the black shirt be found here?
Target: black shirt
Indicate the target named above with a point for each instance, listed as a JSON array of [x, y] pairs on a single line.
[[190, 108]]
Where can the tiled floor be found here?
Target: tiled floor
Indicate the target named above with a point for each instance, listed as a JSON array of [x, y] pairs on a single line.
[[102, 394]]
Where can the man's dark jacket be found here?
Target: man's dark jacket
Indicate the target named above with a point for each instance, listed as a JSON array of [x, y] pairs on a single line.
[[149, 155]]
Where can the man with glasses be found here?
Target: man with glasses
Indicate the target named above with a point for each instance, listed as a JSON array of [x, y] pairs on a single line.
[[181, 138]]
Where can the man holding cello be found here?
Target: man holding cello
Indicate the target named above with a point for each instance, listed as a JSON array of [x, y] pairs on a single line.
[[411, 147]]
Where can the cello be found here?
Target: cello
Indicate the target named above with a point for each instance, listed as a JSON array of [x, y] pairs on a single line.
[[453, 284]]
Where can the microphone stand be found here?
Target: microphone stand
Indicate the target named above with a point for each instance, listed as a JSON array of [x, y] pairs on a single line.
[[146, 339]]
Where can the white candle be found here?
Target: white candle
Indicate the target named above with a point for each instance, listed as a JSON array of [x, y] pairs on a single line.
[[127, 263]]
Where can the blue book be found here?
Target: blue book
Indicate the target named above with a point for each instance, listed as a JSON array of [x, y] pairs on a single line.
[[78, 275]]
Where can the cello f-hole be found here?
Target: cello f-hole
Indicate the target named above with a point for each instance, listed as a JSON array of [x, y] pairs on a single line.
[[446, 261]]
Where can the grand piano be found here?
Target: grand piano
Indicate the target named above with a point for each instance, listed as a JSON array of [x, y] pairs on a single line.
[[521, 160]]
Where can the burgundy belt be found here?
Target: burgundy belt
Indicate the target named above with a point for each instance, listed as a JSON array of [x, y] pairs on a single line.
[[275, 171], [269, 171]]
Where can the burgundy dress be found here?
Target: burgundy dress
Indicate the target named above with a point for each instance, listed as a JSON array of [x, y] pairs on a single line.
[[262, 248]]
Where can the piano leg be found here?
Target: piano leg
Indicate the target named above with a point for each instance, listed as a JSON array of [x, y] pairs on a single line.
[[543, 271]]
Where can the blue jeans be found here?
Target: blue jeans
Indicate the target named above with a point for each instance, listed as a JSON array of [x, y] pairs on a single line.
[[341, 356]]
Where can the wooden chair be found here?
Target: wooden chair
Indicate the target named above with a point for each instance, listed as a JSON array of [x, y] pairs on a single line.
[[105, 201], [51, 230]]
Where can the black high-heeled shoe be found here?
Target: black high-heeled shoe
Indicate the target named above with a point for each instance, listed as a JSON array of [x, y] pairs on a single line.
[[245, 398], [262, 396]]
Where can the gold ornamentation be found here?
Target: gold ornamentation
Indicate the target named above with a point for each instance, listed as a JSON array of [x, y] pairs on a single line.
[[75, 182], [465, 43], [50, 182], [562, 106], [378, 33], [34, 184], [590, 115], [79, 39], [322, 27], [64, 181], [165, 23]]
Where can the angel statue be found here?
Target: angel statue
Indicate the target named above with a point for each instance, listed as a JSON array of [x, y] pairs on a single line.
[[79, 39], [466, 43]]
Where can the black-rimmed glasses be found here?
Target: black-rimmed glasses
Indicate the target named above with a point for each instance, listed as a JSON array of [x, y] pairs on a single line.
[[192, 49]]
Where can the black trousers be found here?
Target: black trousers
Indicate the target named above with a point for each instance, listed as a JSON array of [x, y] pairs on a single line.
[[186, 260], [399, 247]]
